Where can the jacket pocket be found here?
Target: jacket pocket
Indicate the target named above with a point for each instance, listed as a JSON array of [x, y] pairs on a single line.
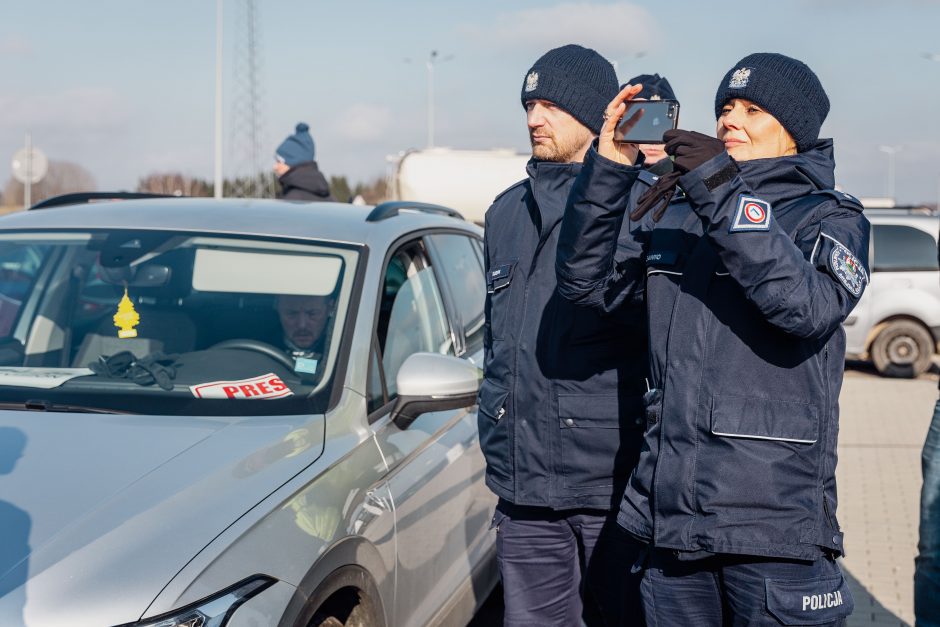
[[494, 428], [809, 601], [757, 472], [590, 439], [498, 286], [764, 419]]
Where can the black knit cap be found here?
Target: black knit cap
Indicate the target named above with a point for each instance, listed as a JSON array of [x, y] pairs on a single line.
[[577, 79], [654, 87], [785, 87]]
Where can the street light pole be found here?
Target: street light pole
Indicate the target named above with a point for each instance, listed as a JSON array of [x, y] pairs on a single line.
[[218, 99], [430, 66], [891, 151], [433, 59]]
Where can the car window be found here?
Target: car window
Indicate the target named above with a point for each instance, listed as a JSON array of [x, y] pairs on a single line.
[[159, 322], [411, 317], [461, 268], [19, 267], [902, 248]]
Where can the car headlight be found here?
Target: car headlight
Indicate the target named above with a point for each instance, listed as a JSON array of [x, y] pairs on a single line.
[[214, 611]]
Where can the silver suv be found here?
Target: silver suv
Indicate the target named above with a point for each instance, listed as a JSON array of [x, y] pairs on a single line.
[[231, 413], [896, 324]]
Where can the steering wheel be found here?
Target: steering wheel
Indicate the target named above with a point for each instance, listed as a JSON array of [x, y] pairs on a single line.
[[259, 347]]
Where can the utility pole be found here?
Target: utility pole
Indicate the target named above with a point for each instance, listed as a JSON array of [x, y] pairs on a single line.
[[218, 99]]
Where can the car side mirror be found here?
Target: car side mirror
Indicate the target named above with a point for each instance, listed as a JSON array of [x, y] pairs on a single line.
[[432, 382]]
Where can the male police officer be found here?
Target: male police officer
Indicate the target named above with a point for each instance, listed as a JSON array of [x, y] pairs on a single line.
[[560, 406]]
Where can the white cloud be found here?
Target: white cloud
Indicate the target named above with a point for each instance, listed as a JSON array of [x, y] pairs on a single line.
[[615, 30], [362, 122]]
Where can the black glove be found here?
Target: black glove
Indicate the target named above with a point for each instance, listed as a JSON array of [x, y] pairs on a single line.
[[690, 149], [657, 197], [156, 368]]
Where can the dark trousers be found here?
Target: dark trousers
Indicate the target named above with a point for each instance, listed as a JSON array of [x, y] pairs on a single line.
[[562, 567], [733, 590], [927, 571]]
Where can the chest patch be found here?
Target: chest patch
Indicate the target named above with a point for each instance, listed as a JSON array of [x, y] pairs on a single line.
[[498, 277], [752, 214], [847, 268]]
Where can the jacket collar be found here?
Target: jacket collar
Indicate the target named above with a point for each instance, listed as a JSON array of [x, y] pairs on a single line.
[[781, 179], [550, 183]]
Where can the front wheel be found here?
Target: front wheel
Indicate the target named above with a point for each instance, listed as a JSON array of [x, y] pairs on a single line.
[[902, 349]]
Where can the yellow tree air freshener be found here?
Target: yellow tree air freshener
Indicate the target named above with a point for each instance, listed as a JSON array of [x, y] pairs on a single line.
[[126, 318]]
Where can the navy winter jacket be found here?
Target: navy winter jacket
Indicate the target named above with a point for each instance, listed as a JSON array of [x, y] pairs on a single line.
[[560, 408], [746, 281]]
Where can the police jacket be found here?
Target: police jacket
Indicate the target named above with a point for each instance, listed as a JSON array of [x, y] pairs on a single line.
[[560, 407], [304, 181], [746, 281]]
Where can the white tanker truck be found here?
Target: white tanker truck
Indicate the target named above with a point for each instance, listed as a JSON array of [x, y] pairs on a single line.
[[465, 180]]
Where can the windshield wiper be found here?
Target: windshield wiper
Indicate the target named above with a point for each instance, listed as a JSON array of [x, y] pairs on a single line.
[[43, 405]]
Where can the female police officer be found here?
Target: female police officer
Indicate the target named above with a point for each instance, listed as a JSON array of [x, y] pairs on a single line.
[[747, 278]]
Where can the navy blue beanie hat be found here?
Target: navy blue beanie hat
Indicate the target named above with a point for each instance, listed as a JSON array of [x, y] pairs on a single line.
[[655, 87], [297, 148], [577, 79], [785, 87]]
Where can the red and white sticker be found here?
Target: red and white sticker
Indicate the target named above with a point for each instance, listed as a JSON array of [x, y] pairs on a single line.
[[266, 386]]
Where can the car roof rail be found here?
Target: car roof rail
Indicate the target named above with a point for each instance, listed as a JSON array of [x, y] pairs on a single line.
[[81, 198], [392, 208]]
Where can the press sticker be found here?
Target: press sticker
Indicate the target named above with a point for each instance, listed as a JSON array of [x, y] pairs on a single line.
[[264, 387], [752, 214]]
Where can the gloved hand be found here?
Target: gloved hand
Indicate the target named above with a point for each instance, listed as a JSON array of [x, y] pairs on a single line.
[[657, 197], [690, 149]]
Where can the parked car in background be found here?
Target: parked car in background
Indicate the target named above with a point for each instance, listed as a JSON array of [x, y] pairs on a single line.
[[170, 457], [896, 324]]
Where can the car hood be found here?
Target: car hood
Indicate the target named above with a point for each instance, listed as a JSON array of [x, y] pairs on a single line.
[[98, 512]]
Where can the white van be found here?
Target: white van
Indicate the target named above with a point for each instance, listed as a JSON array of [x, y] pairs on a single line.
[[896, 324]]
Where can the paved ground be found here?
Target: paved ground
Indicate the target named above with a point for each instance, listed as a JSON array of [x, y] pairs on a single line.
[[883, 426]]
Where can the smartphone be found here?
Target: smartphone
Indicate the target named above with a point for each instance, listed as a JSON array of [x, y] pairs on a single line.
[[656, 117]]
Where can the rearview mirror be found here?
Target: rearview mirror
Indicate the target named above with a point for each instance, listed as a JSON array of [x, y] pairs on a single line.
[[432, 382]]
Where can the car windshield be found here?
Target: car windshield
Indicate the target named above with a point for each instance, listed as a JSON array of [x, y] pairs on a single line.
[[169, 323]]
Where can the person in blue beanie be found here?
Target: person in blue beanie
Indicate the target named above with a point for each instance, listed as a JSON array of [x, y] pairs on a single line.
[[296, 169], [747, 279], [560, 405]]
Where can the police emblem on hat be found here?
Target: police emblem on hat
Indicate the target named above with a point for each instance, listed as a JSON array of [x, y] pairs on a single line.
[[753, 214], [739, 78], [848, 269], [532, 81]]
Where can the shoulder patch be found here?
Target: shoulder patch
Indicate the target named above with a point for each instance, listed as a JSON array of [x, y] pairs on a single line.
[[848, 269], [752, 214]]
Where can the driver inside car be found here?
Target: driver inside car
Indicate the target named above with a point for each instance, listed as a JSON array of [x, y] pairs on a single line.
[[303, 321]]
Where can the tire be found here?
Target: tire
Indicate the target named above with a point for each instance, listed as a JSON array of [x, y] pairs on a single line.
[[903, 349]]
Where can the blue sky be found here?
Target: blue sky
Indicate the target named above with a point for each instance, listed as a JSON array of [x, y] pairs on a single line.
[[126, 87]]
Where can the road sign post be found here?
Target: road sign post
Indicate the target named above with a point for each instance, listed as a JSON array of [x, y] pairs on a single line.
[[29, 166]]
